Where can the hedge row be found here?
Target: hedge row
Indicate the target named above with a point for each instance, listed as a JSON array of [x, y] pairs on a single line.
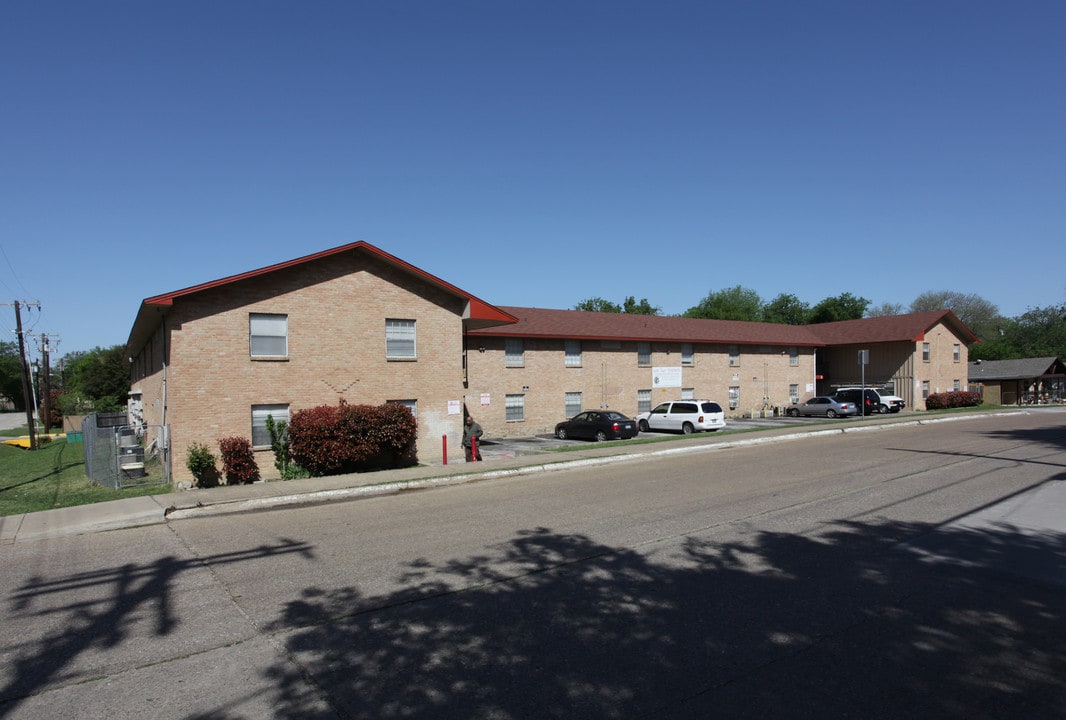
[[330, 440], [954, 399]]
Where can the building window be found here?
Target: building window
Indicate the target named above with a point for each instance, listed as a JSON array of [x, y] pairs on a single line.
[[956, 386], [925, 352], [573, 353], [400, 339], [411, 405], [925, 389], [688, 393], [793, 393], [687, 356], [268, 335], [734, 356], [643, 354], [793, 357], [573, 404], [734, 396], [956, 353], [643, 400], [514, 353], [515, 406], [260, 413]]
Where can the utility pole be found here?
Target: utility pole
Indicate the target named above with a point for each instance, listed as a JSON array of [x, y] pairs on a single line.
[[46, 392], [27, 395]]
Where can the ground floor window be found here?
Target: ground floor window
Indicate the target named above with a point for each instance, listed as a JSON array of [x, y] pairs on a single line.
[[793, 393], [734, 396], [925, 389], [411, 405], [515, 406], [260, 413], [573, 404], [643, 401]]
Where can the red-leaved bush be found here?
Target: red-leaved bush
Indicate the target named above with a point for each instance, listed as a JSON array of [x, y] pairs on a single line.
[[238, 461], [954, 399], [330, 440]]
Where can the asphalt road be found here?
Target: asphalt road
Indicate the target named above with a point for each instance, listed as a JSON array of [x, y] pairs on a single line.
[[826, 578]]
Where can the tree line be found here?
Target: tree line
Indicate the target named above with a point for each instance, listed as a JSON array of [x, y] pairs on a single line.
[[96, 380], [1039, 332]]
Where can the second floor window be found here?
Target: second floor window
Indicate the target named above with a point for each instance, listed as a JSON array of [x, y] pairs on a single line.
[[793, 357], [643, 353], [734, 356], [400, 339], [956, 353], [687, 356], [514, 353], [925, 352], [268, 335], [573, 353]]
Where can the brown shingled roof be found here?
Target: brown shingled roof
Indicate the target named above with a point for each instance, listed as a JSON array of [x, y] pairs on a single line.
[[891, 328], [584, 325]]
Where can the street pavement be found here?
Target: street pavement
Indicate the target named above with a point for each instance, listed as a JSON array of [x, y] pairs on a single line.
[[1039, 511]]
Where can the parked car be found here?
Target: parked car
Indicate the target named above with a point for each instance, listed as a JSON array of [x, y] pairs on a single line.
[[876, 401], [597, 425], [685, 416], [867, 400], [824, 406]]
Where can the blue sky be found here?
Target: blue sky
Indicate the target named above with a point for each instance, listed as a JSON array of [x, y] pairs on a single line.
[[532, 153]]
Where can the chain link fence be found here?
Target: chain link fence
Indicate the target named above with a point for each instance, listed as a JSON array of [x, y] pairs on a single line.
[[119, 455]]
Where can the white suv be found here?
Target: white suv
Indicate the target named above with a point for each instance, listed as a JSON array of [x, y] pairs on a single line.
[[885, 403], [686, 416]]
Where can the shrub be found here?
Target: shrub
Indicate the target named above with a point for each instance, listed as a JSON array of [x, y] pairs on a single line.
[[329, 440], [201, 463], [954, 399], [238, 461]]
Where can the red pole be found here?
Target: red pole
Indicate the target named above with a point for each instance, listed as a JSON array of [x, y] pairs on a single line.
[[473, 449], [444, 446]]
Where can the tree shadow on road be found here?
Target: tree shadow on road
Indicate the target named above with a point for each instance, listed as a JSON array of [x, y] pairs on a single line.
[[848, 623]]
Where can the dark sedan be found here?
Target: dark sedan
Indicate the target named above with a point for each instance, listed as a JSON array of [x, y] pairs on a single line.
[[597, 425]]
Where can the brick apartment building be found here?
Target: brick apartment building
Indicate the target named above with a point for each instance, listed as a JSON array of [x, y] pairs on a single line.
[[356, 324]]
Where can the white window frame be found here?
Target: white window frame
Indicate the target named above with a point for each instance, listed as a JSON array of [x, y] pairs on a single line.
[[572, 401], [643, 401], [793, 393], [400, 339], [688, 357], [573, 353], [260, 434], [734, 396], [793, 357], [956, 353], [925, 352], [514, 352], [643, 354], [515, 407], [265, 332], [925, 389]]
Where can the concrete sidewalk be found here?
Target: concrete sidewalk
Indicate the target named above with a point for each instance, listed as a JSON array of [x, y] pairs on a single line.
[[1042, 510]]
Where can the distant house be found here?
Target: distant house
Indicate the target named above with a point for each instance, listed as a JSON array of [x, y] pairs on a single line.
[[358, 325], [1019, 382]]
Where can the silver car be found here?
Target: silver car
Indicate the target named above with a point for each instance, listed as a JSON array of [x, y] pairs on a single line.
[[825, 407]]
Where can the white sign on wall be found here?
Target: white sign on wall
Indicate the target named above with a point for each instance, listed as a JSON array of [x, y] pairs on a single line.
[[664, 377], [455, 407]]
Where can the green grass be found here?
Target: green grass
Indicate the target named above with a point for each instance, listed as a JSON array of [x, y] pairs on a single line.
[[53, 477]]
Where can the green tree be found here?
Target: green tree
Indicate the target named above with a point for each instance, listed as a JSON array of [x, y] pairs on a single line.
[[842, 307], [786, 309], [598, 304], [735, 303], [11, 375], [980, 315], [632, 307], [100, 376], [1040, 332]]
